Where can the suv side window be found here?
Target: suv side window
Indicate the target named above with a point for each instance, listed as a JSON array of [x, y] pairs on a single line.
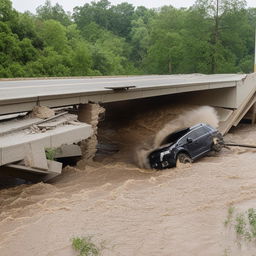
[[206, 129], [184, 139], [195, 134], [202, 131]]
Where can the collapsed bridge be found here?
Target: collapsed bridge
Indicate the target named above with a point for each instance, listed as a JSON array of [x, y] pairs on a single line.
[[21, 147]]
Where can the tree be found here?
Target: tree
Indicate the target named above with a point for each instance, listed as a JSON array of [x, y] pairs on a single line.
[[6, 11], [140, 40], [213, 36], [81, 59], [165, 41], [121, 19], [96, 12], [54, 35], [56, 12], [217, 11]]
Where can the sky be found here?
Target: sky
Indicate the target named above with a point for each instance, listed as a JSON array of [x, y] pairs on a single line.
[[31, 5]]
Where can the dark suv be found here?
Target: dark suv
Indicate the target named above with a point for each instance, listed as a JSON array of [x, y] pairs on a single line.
[[186, 146]]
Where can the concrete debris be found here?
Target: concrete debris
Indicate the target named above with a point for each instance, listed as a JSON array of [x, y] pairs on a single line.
[[53, 123], [36, 129], [65, 119], [23, 146], [42, 112]]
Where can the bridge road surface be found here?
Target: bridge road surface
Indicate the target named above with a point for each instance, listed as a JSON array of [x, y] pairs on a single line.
[[22, 95]]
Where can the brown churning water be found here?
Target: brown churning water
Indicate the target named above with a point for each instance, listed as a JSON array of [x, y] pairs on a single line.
[[185, 119], [136, 211]]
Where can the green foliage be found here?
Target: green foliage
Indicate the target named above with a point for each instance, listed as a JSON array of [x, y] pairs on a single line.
[[54, 35], [104, 39], [50, 153], [246, 64], [49, 12], [85, 246], [240, 225], [6, 11], [97, 12], [230, 215], [244, 223], [252, 221], [121, 19], [81, 59]]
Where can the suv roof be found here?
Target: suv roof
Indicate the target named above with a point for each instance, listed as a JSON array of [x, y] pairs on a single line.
[[197, 125], [173, 137]]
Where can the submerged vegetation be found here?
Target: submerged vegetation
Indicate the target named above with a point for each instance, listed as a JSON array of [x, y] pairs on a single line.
[[85, 246], [230, 215], [104, 39], [244, 223]]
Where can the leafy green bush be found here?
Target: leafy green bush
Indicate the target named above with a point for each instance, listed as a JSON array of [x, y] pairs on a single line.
[[50, 153], [85, 246], [244, 223]]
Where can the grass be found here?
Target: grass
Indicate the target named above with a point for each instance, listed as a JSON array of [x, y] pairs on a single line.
[[244, 223], [85, 246], [50, 153], [252, 221], [240, 224], [230, 215]]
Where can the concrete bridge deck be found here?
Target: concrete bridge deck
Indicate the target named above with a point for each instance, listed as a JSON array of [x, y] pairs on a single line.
[[23, 95]]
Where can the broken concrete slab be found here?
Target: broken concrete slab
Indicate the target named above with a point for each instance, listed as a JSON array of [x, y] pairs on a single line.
[[13, 146], [51, 124], [54, 169], [35, 156], [68, 151]]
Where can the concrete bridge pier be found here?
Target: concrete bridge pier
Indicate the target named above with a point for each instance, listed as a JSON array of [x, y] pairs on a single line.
[[89, 113]]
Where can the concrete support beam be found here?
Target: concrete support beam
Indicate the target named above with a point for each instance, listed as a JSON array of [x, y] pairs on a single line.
[[237, 114], [89, 113], [68, 151], [254, 113], [19, 170], [35, 156]]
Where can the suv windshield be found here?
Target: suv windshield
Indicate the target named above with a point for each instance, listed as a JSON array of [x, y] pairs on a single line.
[[173, 137]]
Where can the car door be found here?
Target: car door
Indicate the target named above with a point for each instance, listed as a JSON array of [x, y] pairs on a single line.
[[189, 144], [195, 142], [200, 138]]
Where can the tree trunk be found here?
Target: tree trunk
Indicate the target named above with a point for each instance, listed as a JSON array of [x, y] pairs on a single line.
[[170, 67]]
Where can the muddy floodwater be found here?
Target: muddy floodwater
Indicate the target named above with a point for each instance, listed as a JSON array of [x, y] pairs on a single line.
[[133, 210]]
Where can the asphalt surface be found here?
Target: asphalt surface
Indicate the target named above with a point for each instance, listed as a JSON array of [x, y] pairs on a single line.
[[21, 89]]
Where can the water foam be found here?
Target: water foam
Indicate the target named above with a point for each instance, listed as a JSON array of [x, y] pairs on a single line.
[[204, 114]]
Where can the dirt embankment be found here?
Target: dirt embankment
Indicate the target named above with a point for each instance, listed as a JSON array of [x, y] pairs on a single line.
[[136, 211]]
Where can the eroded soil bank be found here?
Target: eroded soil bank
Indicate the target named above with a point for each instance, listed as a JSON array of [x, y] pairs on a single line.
[[135, 211]]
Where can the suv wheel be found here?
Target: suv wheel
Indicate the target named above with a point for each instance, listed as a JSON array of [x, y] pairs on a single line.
[[183, 158], [217, 143]]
